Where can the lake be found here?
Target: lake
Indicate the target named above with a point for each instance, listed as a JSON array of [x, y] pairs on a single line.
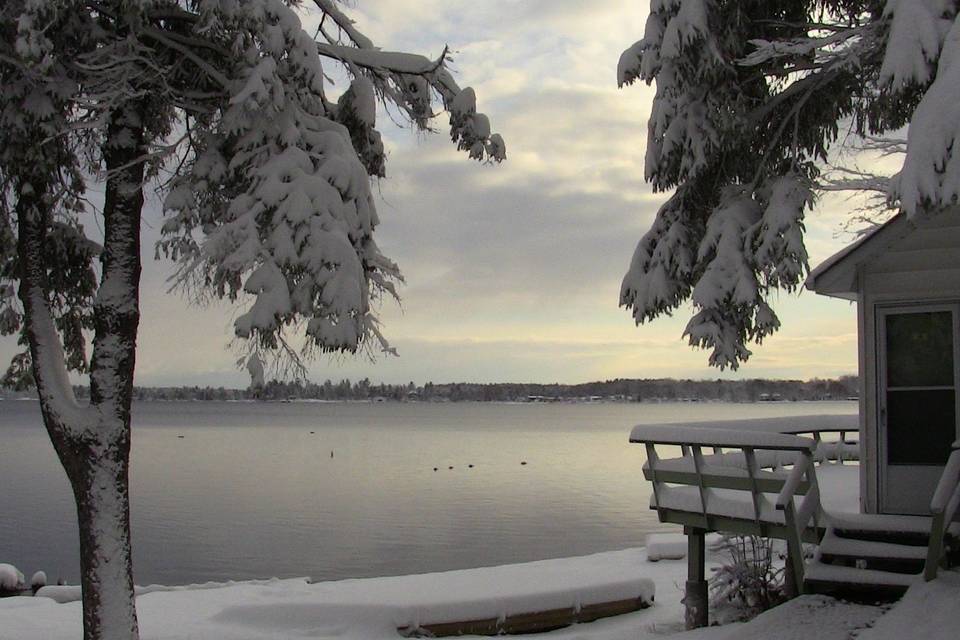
[[232, 491]]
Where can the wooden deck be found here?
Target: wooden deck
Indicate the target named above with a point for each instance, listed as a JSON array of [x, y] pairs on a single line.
[[757, 482]]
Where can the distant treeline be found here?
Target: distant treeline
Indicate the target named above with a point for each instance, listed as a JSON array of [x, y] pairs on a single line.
[[623, 390]]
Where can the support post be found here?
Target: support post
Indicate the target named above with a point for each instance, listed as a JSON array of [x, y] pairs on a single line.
[[789, 576], [695, 596]]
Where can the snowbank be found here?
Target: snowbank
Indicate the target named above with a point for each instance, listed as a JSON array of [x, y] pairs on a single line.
[[929, 610], [373, 609], [369, 608], [802, 618]]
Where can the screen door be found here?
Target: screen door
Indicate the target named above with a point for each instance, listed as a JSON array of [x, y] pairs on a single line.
[[917, 355]]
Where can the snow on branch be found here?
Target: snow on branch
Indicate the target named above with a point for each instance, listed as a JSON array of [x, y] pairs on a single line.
[[406, 80], [381, 61], [750, 100], [917, 29], [814, 51], [930, 178], [282, 198]]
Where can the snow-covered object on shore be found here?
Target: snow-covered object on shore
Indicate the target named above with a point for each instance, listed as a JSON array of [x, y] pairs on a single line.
[[10, 578], [673, 546], [38, 580], [666, 546]]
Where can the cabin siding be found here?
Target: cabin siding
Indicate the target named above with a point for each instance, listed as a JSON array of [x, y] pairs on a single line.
[[922, 267]]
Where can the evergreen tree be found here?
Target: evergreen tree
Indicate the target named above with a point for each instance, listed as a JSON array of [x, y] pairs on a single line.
[[750, 97], [268, 197]]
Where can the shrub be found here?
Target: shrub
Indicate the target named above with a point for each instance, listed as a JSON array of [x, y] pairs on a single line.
[[750, 582]]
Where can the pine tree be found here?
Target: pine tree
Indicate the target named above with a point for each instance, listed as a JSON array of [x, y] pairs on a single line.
[[266, 178], [751, 96]]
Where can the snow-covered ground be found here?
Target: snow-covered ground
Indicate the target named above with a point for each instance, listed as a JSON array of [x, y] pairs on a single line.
[[372, 609]]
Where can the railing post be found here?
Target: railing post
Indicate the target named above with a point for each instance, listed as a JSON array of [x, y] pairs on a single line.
[[695, 602], [790, 590], [652, 460], [698, 465], [934, 546], [794, 546], [753, 471]]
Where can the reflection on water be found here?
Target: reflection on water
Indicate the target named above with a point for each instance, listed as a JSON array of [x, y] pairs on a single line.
[[250, 492]]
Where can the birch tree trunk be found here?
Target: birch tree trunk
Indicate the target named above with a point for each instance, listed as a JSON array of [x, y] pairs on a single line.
[[93, 443]]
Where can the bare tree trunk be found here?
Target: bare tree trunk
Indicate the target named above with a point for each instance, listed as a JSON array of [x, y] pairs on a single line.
[[93, 443]]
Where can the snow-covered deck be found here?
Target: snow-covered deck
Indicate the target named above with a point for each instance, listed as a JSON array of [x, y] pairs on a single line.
[[762, 479], [736, 487]]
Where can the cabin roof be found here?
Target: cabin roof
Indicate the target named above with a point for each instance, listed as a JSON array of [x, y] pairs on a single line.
[[837, 275]]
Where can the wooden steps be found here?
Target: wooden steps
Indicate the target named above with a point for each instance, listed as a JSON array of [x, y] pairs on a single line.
[[869, 557], [855, 584]]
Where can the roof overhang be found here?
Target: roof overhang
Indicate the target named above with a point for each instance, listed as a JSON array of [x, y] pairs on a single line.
[[837, 275]]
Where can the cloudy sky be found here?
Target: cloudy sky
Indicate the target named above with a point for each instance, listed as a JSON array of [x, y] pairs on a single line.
[[513, 271]]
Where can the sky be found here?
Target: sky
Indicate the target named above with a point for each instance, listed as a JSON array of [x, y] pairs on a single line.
[[513, 271]]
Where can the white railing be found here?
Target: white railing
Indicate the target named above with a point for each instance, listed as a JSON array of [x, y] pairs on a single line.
[[742, 461], [943, 508], [798, 518], [757, 462]]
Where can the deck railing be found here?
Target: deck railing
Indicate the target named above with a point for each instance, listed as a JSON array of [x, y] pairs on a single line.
[[758, 477], [943, 508], [754, 463], [800, 518]]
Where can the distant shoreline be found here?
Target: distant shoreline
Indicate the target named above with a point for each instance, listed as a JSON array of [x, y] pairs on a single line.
[[618, 390]]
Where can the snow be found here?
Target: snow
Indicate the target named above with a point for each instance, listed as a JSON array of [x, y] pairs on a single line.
[[371, 608], [917, 29], [929, 610], [686, 28], [802, 618], [839, 496], [930, 176], [38, 580], [255, 369], [10, 578], [855, 575], [673, 546], [720, 437], [666, 546]]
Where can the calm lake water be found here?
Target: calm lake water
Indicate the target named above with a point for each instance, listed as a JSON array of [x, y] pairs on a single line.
[[251, 489]]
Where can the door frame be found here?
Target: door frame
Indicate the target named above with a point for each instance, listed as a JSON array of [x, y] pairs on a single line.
[[921, 474]]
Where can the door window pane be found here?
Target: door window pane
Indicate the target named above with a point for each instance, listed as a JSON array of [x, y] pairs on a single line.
[[920, 426], [920, 349]]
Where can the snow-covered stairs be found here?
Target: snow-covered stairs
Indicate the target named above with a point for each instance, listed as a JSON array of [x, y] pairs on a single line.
[[869, 556]]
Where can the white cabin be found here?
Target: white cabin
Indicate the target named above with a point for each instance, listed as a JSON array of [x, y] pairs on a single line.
[[905, 279]]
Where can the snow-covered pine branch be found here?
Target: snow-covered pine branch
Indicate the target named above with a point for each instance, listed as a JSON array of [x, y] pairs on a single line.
[[750, 98], [406, 80]]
